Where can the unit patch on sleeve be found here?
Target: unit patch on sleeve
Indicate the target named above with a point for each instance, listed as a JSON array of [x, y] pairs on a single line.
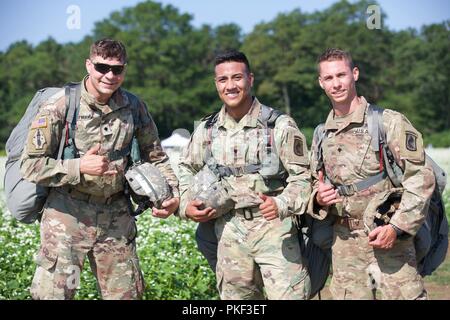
[[298, 146], [411, 141], [38, 139]]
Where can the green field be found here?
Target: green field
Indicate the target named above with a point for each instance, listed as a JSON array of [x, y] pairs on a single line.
[[172, 266]]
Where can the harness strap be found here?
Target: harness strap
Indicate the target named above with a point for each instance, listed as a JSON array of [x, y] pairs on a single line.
[[350, 189], [72, 100], [224, 171], [388, 166], [267, 117]]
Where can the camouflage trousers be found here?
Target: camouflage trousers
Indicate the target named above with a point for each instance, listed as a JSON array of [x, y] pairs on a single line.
[[72, 229], [257, 254], [359, 270]]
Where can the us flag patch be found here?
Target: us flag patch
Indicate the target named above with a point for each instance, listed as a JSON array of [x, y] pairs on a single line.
[[39, 123]]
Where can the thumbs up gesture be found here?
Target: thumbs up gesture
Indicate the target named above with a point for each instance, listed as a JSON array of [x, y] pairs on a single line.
[[326, 194], [93, 164], [269, 208]]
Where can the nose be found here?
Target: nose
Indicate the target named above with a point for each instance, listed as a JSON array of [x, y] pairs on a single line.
[[336, 83], [230, 84]]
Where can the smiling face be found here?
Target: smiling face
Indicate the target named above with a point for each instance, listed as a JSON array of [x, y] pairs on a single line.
[[234, 83], [338, 80], [100, 85]]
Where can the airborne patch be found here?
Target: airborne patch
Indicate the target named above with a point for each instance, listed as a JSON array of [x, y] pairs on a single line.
[[298, 146], [411, 141], [38, 139]]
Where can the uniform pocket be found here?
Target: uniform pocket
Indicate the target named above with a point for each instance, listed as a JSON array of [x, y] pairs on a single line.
[[219, 279], [301, 284], [132, 230], [46, 260]]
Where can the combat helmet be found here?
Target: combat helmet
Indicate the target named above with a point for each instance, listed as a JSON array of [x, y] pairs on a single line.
[[149, 188], [381, 208], [212, 191]]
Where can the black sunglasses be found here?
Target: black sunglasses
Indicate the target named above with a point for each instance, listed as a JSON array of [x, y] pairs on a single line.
[[104, 68]]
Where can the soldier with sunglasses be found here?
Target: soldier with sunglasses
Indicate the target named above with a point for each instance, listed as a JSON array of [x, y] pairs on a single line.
[[87, 211]]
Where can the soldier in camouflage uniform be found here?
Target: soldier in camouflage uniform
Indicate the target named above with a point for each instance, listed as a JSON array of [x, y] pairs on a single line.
[[383, 258], [87, 212], [258, 243]]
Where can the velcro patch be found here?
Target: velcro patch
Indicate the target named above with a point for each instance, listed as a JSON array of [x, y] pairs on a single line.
[[411, 141], [40, 122]]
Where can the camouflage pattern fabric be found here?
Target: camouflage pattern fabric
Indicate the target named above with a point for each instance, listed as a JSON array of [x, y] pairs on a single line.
[[349, 158], [242, 143], [89, 223], [359, 270], [111, 125], [255, 253], [72, 229]]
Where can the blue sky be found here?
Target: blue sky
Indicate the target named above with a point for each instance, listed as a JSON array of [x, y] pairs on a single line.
[[36, 20]]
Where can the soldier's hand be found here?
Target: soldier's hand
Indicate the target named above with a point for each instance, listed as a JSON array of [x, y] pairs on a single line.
[[269, 208], [95, 165], [194, 213], [326, 194], [383, 237], [168, 207]]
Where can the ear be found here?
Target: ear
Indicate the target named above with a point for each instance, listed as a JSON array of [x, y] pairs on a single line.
[[251, 78], [320, 82], [88, 65], [355, 72]]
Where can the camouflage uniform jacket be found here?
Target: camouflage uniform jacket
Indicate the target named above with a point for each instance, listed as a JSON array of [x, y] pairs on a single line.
[[242, 143], [111, 125], [349, 158]]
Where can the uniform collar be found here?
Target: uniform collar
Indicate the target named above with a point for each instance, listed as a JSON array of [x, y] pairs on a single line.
[[249, 120], [118, 100], [356, 116]]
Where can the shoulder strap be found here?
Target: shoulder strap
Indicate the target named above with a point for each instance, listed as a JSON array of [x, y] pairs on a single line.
[[388, 166], [72, 101], [318, 136], [375, 126], [132, 148], [378, 134], [269, 116], [211, 119]]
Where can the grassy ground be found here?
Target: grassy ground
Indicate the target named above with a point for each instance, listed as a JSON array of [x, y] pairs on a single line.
[[153, 232]]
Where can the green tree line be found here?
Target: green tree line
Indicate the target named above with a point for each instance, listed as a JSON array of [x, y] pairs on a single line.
[[171, 65]]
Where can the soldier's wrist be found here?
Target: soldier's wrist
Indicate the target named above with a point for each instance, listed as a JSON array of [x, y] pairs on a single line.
[[399, 232]]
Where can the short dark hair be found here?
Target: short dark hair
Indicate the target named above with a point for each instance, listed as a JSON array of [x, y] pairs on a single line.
[[232, 56], [333, 54], [109, 48]]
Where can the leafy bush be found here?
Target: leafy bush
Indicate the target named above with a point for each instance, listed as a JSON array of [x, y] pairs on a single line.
[[18, 243], [438, 140], [446, 198], [173, 268]]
